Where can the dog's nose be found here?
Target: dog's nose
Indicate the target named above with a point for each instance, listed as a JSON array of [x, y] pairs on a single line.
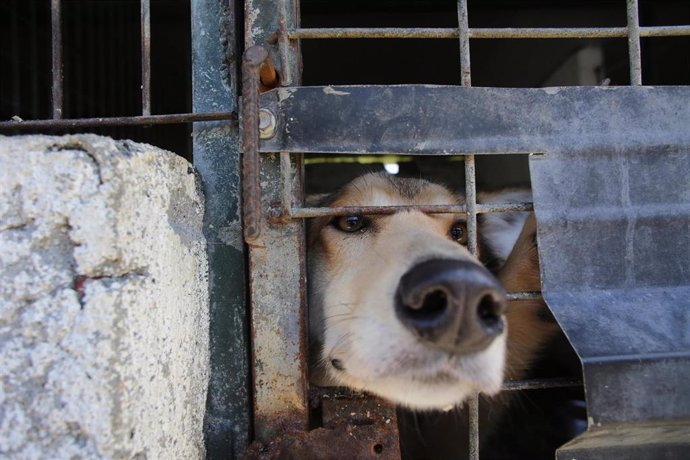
[[455, 305]]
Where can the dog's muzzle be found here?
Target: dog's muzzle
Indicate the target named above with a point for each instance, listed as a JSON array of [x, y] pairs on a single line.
[[454, 305]]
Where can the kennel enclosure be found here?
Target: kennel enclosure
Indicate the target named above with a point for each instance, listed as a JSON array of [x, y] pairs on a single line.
[[608, 165]]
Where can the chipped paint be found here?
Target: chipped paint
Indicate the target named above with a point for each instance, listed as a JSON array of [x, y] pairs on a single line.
[[285, 93], [334, 92]]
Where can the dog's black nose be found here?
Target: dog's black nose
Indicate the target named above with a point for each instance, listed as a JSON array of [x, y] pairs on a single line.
[[455, 305]]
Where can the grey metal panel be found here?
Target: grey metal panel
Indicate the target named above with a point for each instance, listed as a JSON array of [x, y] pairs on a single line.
[[614, 240], [456, 120], [653, 441], [216, 157]]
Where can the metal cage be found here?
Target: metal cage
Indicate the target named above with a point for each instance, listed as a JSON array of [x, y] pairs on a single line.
[[637, 135]]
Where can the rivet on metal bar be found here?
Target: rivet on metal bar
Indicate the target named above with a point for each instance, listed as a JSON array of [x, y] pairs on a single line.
[[255, 59]]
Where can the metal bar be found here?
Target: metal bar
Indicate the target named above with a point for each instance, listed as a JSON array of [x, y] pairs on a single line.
[[464, 36], [56, 37], [634, 52], [473, 414], [284, 43], [254, 57], [483, 33], [527, 295], [470, 203], [300, 213], [286, 182], [215, 56], [540, 384], [173, 118], [146, 57], [424, 120], [509, 385]]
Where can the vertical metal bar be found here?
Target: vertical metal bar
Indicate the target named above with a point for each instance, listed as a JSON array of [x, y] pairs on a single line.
[[227, 421], [470, 203], [634, 51], [56, 34], [284, 44], [473, 413], [35, 86], [254, 57], [277, 280], [286, 182], [464, 33], [15, 69], [146, 57]]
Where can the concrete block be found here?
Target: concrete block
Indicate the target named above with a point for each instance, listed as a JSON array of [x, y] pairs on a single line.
[[103, 300]]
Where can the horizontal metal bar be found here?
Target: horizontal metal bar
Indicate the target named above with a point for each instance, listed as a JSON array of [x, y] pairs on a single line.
[[372, 32], [540, 384], [510, 385], [299, 213], [425, 120], [116, 121], [485, 33], [527, 295], [579, 32]]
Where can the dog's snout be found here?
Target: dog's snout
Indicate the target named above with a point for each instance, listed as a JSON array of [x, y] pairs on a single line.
[[454, 305]]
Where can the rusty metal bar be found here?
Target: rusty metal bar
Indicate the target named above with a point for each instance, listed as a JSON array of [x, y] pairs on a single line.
[[284, 43], [254, 58], [56, 44], [286, 182], [540, 384], [146, 57], [483, 33], [173, 118], [300, 213], [634, 51]]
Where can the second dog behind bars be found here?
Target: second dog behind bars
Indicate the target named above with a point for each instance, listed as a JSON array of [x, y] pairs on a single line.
[[400, 308]]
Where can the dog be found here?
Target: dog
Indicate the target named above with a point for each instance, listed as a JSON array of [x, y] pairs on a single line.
[[399, 308]]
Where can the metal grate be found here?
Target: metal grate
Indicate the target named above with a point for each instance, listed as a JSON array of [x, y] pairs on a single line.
[[286, 36], [57, 121]]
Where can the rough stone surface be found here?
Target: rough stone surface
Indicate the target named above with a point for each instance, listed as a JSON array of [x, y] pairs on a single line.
[[103, 301]]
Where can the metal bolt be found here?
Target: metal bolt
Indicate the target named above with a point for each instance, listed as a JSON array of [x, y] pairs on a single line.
[[267, 124]]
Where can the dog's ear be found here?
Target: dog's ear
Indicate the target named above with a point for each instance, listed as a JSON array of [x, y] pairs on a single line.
[[498, 232]]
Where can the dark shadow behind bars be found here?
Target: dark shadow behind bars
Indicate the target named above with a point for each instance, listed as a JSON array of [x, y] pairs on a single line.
[[118, 68]]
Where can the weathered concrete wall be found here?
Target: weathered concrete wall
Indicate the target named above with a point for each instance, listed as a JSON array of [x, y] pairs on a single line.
[[103, 301]]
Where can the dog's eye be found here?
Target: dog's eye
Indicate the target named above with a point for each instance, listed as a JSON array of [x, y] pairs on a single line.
[[459, 232], [351, 224]]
